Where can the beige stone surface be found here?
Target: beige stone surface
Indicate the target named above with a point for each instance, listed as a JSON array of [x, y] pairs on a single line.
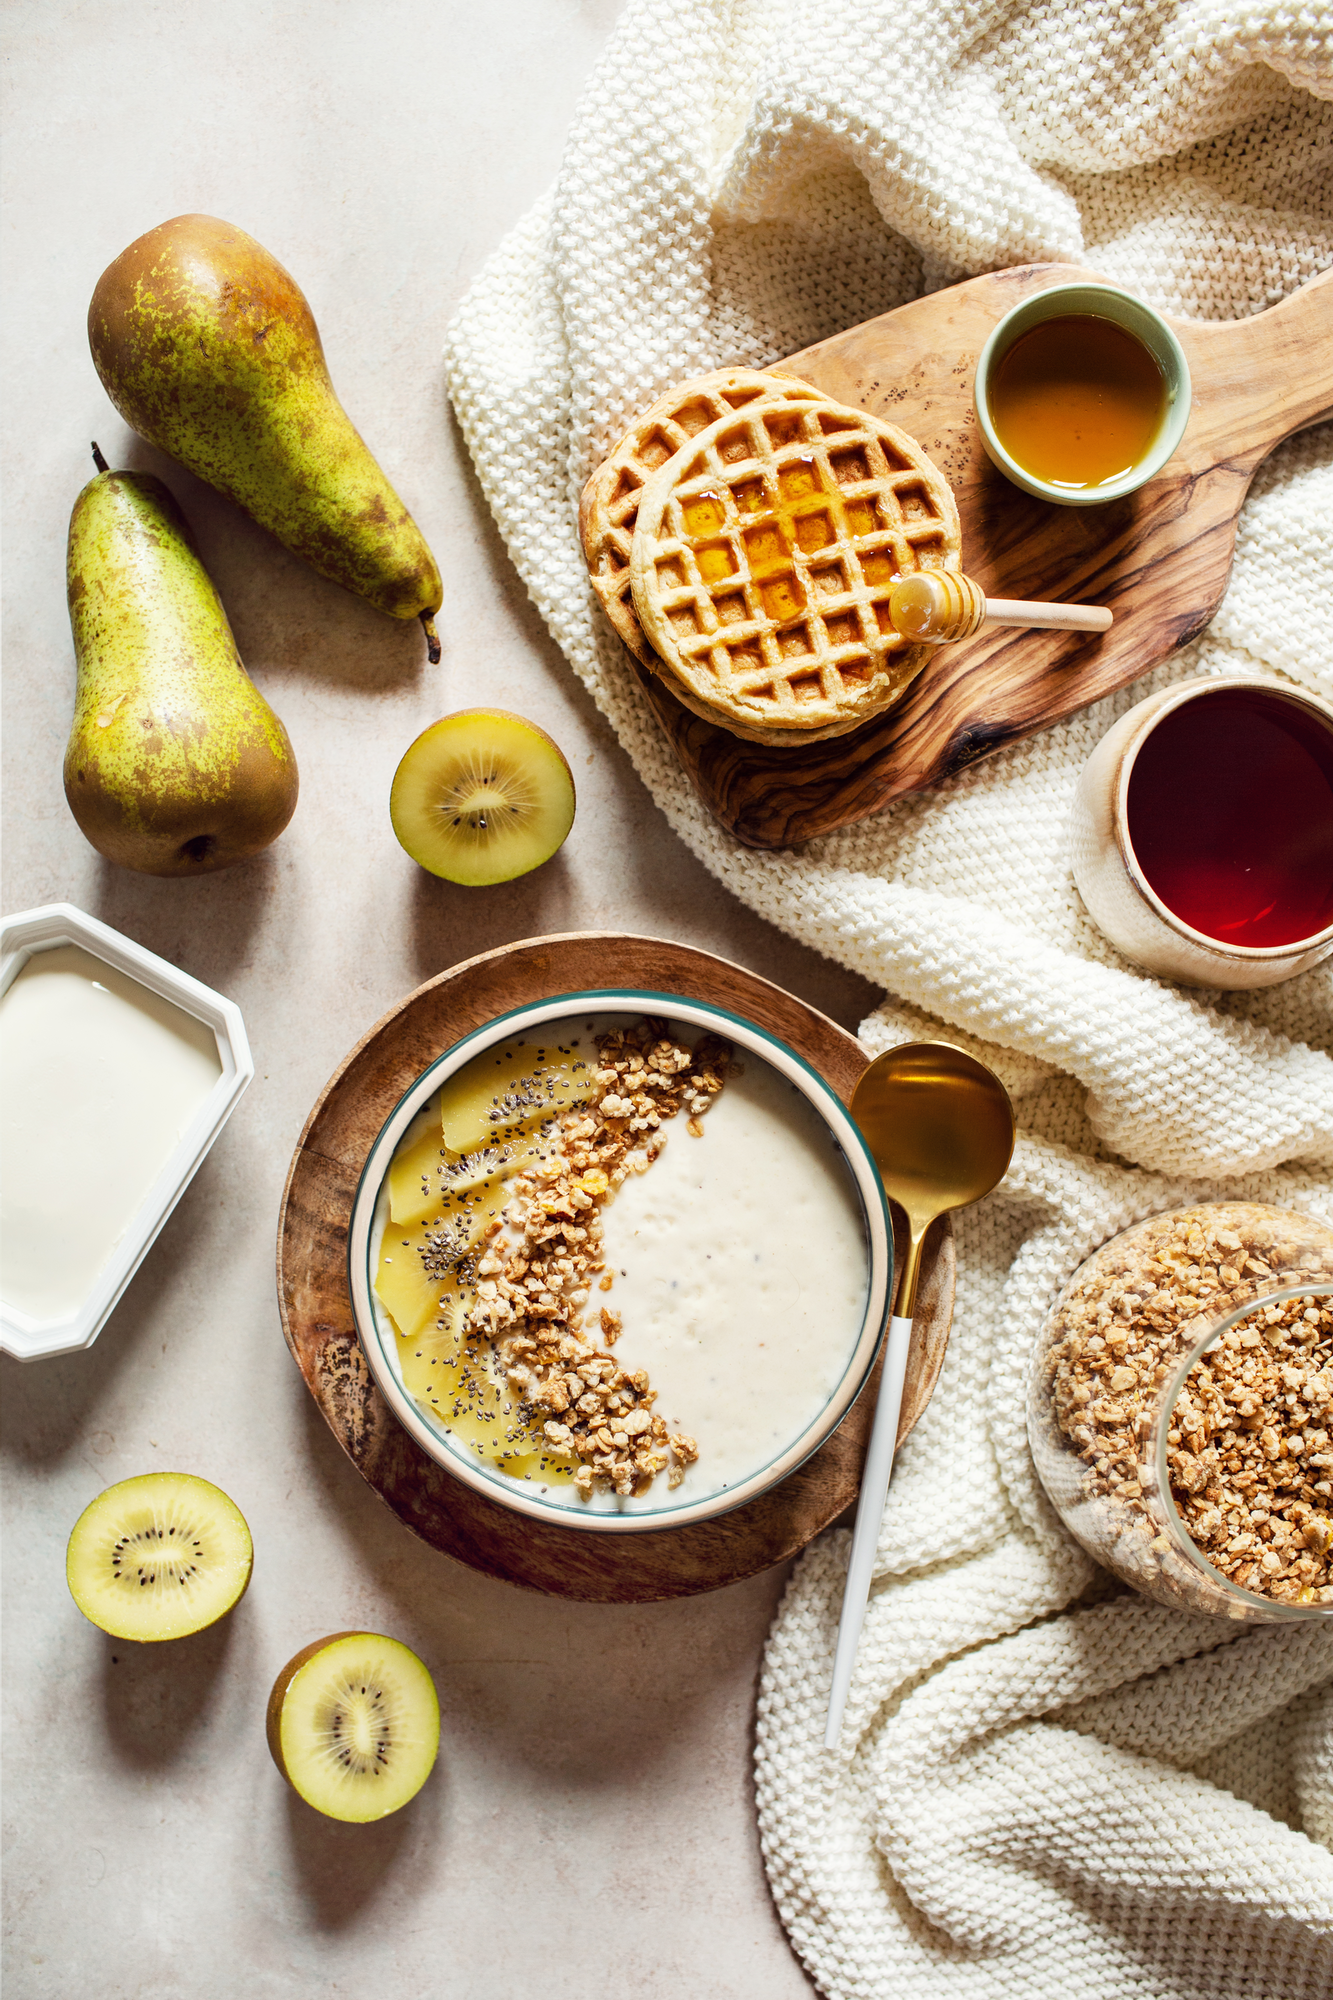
[[590, 1824]]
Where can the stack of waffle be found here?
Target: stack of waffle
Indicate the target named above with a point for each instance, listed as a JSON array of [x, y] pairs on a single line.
[[743, 538]]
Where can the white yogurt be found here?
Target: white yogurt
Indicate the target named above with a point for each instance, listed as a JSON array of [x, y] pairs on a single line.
[[741, 1274], [99, 1079]]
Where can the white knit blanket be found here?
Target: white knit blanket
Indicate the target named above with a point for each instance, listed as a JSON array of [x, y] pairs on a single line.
[[1032, 1799]]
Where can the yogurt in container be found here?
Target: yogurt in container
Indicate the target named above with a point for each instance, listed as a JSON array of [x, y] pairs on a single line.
[[117, 1072]]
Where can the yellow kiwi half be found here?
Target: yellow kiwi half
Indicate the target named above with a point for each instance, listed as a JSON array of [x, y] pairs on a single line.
[[354, 1725], [159, 1557], [482, 796]]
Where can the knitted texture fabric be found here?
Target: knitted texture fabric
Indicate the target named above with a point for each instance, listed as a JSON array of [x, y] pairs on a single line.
[[1038, 1791]]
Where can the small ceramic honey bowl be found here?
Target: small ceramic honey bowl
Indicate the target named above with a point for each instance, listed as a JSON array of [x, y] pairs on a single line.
[[1082, 393]]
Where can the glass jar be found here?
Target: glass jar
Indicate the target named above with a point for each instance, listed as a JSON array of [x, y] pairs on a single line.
[[1180, 1410]]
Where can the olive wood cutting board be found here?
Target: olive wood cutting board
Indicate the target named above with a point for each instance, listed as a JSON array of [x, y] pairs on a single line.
[[1159, 558], [321, 1332]]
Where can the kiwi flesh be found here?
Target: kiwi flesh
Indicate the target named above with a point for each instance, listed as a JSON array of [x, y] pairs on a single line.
[[354, 1725], [482, 796], [159, 1557]]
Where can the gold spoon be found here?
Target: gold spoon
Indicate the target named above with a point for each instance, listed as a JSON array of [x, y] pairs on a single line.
[[941, 1128]]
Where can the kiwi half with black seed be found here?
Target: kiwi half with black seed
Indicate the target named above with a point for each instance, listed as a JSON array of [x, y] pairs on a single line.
[[354, 1725], [482, 796], [159, 1557]]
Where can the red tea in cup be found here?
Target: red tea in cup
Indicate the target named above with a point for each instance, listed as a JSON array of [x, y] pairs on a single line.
[[1230, 815]]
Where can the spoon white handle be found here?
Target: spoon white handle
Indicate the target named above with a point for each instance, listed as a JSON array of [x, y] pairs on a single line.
[[869, 1514]]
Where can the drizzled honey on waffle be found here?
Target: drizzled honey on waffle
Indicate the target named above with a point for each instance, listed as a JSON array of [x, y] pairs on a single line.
[[609, 508], [763, 556]]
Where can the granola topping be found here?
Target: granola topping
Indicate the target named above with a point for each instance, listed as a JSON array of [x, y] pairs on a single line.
[[510, 1334], [544, 1257]]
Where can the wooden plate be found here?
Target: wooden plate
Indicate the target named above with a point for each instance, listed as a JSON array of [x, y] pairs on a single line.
[[317, 1311], [1159, 558]]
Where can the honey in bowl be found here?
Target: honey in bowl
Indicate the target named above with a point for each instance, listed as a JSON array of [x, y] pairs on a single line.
[[1230, 815], [1077, 401]]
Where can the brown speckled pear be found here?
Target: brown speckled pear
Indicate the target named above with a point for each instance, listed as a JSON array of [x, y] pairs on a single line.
[[208, 349], [176, 765]]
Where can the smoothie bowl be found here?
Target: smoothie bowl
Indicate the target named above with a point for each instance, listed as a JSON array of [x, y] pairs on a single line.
[[620, 1260]]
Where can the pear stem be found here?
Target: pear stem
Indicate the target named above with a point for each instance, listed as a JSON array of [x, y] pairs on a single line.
[[98, 459], [432, 637]]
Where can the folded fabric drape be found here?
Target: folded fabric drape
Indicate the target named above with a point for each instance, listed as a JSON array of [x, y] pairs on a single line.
[[1106, 1798]]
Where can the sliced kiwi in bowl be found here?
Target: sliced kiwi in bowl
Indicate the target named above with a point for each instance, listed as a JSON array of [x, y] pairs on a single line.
[[482, 796], [354, 1725], [159, 1557]]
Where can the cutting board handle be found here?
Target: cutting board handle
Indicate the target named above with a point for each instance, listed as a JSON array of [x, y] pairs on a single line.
[[1258, 380], [1159, 557]]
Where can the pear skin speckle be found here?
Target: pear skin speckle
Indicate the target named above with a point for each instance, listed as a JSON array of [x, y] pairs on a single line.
[[208, 349]]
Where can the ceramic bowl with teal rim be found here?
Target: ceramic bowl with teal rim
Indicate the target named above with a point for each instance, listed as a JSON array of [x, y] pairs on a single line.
[[1093, 301], [750, 1267]]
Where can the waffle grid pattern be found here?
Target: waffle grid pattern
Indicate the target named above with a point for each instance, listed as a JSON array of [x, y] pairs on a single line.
[[763, 558], [610, 504]]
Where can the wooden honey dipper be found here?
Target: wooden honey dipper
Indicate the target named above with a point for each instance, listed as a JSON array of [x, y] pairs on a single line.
[[934, 607]]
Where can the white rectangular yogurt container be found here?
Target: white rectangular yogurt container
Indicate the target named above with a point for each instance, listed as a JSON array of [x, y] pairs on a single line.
[[23, 937]]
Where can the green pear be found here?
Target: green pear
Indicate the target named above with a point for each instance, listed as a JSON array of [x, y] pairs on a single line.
[[176, 765], [208, 349]]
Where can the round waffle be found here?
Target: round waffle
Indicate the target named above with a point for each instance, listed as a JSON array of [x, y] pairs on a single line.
[[611, 497], [762, 559]]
